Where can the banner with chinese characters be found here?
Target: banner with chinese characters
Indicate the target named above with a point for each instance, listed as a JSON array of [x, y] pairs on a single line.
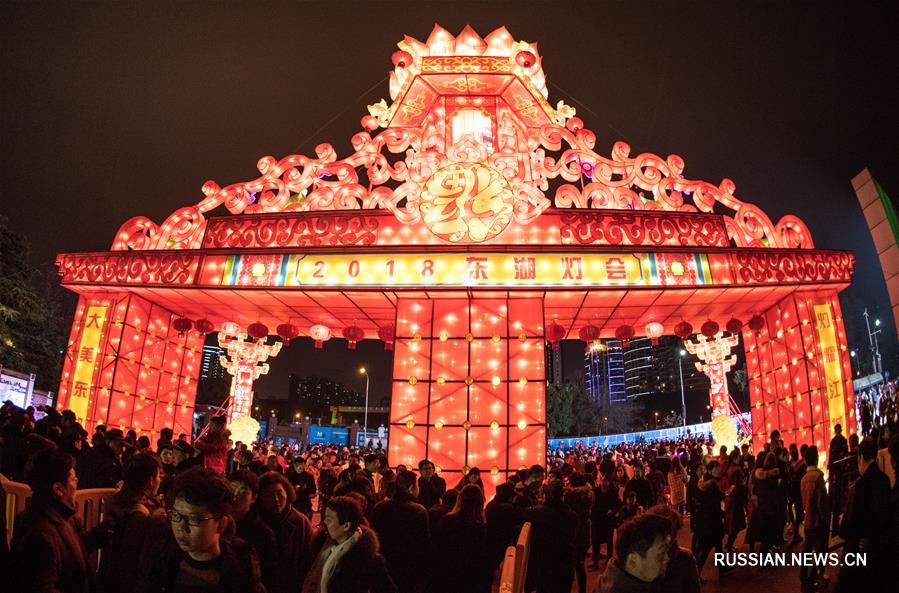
[[830, 353], [86, 361], [467, 269]]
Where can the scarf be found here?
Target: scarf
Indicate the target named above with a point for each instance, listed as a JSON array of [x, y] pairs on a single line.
[[333, 555]]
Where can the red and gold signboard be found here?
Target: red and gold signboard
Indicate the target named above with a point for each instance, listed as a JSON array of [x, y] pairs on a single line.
[[86, 354]]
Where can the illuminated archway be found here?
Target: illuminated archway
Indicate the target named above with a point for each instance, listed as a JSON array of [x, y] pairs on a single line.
[[462, 251]]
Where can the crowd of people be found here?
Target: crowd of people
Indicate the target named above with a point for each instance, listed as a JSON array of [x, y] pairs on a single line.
[[878, 411], [212, 515]]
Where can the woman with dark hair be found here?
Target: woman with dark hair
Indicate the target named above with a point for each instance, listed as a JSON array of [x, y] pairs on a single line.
[[214, 445], [346, 553], [293, 532], [135, 514], [461, 541], [710, 517], [766, 491], [472, 477], [735, 499], [753, 522]]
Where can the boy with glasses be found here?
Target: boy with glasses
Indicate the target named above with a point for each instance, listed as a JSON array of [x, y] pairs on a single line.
[[198, 558]]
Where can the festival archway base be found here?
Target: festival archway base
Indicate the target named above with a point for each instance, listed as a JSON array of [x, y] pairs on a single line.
[[476, 218]]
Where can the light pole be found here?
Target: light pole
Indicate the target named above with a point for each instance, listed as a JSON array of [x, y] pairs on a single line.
[[365, 421], [680, 371], [872, 342]]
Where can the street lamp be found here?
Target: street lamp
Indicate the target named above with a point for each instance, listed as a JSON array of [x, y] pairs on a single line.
[[872, 342], [680, 371], [365, 421], [657, 419]]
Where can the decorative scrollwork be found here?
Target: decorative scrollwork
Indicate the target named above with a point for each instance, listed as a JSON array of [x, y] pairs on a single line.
[[128, 268], [642, 228], [765, 266], [299, 230]]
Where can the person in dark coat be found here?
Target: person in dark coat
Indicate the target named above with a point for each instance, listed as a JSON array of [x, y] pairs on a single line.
[[892, 532], [404, 532], [865, 522], [48, 551], [551, 565], [196, 556], [439, 511], [603, 517], [460, 546], [579, 498], [710, 519], [134, 513], [641, 486], [249, 526], [641, 556], [101, 465], [303, 483], [293, 532], [14, 452], [346, 553], [430, 486], [503, 523], [681, 575]]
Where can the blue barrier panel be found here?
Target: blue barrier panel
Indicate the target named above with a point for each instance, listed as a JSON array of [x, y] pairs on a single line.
[[611, 440]]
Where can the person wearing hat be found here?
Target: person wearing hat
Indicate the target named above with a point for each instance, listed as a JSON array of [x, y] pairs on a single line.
[[101, 465]]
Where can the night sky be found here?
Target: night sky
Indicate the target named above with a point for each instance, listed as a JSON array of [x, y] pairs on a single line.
[[111, 111]]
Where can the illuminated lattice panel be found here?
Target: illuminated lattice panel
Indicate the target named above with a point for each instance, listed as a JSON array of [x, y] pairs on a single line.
[[456, 409]]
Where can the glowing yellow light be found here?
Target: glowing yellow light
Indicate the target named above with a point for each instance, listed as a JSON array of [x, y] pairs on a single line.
[[413, 380], [495, 381], [438, 424], [494, 425], [495, 338], [410, 423], [522, 424], [469, 380], [523, 381], [441, 380], [467, 425]]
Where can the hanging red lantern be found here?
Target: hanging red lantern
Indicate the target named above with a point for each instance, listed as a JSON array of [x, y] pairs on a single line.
[[554, 334], [654, 331], [757, 323], [288, 331], [353, 334], [387, 334], [734, 325], [589, 334], [257, 331], [204, 326], [709, 329], [683, 330], [625, 333], [182, 325], [321, 334]]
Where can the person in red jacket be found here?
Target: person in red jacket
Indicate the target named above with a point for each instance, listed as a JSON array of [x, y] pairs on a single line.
[[214, 445]]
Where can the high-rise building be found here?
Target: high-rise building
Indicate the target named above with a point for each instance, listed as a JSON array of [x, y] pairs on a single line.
[[554, 364], [314, 396], [211, 368], [614, 374]]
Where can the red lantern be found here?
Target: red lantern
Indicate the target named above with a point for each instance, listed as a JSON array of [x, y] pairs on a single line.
[[654, 331], [589, 334], [182, 325], [709, 329], [353, 334], [257, 331], [288, 331], [734, 325], [204, 326], [387, 334], [555, 333], [683, 330], [525, 59], [757, 323], [625, 333]]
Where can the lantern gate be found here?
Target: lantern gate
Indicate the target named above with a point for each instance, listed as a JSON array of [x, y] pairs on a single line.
[[473, 222]]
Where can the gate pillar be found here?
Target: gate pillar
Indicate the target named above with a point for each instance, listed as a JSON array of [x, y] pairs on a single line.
[[469, 386], [800, 378], [127, 367]]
